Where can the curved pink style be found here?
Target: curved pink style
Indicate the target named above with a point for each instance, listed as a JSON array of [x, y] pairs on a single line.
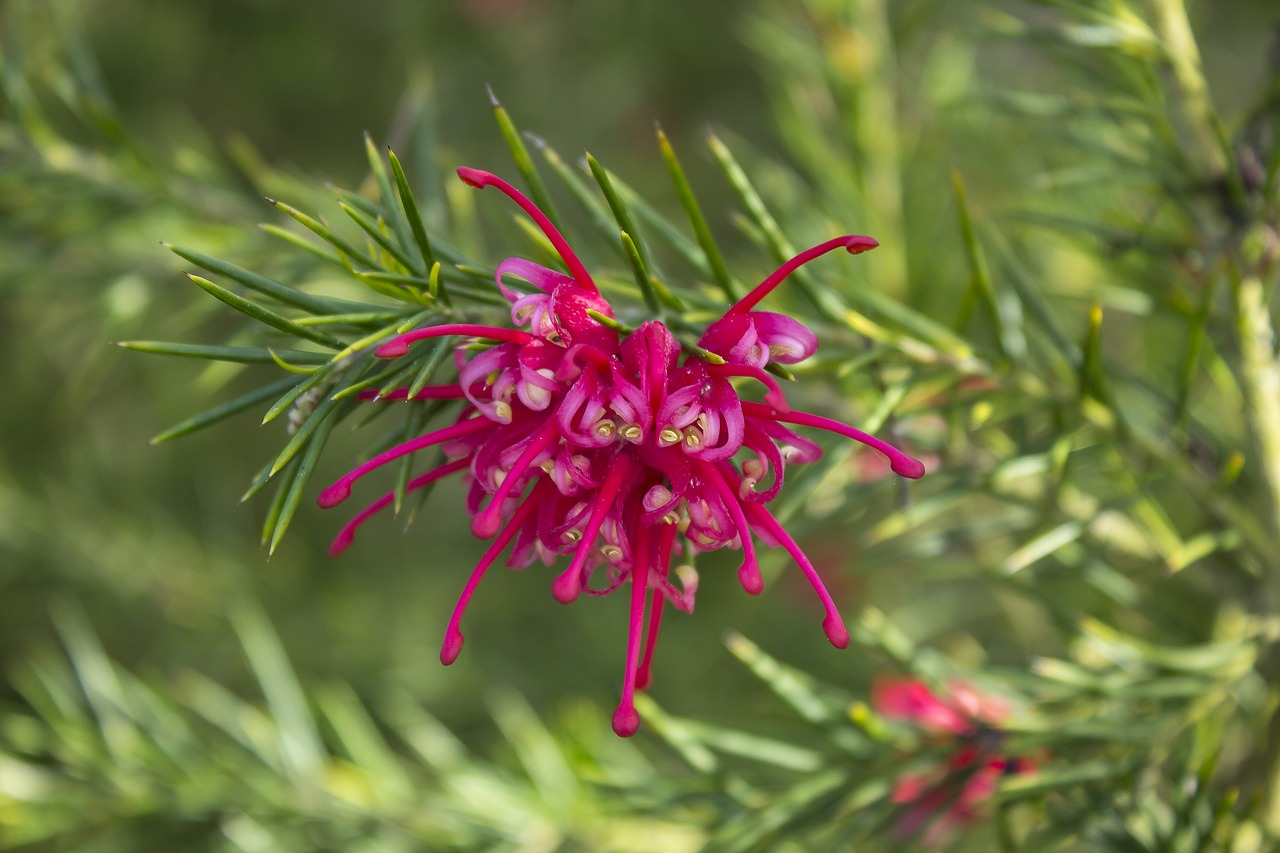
[[398, 347], [625, 718], [899, 462], [480, 179], [453, 633], [347, 535], [855, 244], [341, 490]]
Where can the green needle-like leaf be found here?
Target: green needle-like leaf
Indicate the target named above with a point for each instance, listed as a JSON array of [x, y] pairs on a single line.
[[278, 498], [291, 396], [224, 411], [265, 315], [520, 154], [430, 365], [620, 212], [303, 243], [242, 355], [980, 274], [581, 191], [324, 232], [410, 207], [643, 280], [375, 233], [714, 258], [394, 212], [413, 426], [764, 220], [262, 284], [294, 487], [325, 410]]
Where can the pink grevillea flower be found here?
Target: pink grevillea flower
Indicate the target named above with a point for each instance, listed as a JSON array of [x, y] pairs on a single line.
[[613, 451], [939, 802]]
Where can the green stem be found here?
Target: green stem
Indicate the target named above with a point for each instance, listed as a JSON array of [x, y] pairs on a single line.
[[1204, 145], [1260, 377]]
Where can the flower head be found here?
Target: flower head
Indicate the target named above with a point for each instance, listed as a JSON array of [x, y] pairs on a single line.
[[942, 800], [611, 450]]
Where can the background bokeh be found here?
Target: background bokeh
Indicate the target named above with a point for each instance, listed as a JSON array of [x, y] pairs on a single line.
[[217, 102]]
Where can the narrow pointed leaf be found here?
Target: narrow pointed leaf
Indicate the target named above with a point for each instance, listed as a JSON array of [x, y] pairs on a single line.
[[298, 369], [638, 269], [394, 212], [295, 486], [361, 319], [258, 483], [620, 212], [324, 411], [376, 234], [225, 410], [262, 284], [711, 251], [291, 396], [410, 207], [520, 154], [581, 192], [413, 426], [278, 497], [764, 220], [265, 315], [303, 243], [324, 232], [978, 270], [241, 355]]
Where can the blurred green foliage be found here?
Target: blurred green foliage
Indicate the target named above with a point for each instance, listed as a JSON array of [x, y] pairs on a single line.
[[1070, 311]]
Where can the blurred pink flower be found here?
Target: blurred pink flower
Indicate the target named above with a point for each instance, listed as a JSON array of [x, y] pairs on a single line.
[[943, 800], [612, 451]]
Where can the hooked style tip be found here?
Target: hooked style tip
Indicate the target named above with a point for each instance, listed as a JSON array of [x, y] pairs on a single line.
[[857, 244], [836, 632], [625, 720], [906, 466], [486, 523], [749, 577], [392, 349], [451, 647], [477, 178], [565, 587], [334, 495]]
